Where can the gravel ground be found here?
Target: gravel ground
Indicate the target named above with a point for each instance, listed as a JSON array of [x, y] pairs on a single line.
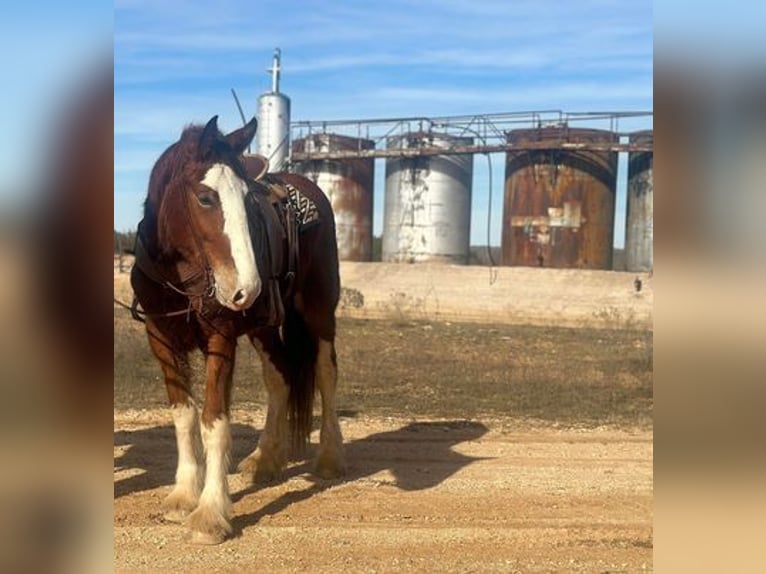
[[421, 496]]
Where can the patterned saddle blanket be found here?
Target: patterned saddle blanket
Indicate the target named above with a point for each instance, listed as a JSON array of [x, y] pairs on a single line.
[[305, 209]]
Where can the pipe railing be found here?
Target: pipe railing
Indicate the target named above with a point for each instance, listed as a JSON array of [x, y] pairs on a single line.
[[492, 127]]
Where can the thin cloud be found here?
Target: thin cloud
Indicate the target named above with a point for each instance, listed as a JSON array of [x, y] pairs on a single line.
[[176, 60], [562, 94]]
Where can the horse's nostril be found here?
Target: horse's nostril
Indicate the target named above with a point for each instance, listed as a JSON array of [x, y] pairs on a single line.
[[239, 295]]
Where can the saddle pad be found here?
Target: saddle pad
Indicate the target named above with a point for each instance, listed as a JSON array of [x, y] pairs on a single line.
[[305, 209]]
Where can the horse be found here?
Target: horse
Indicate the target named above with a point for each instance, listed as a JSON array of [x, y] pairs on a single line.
[[203, 278]]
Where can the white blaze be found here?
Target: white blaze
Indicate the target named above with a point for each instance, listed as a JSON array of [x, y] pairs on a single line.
[[231, 192]]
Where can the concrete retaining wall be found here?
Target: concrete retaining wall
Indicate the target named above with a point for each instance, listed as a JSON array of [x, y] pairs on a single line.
[[510, 295], [513, 295]]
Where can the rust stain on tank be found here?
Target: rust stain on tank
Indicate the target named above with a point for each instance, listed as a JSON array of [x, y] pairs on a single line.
[[639, 225], [559, 204], [348, 184]]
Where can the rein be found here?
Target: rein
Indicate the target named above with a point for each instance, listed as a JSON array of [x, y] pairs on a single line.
[[147, 265], [139, 314]]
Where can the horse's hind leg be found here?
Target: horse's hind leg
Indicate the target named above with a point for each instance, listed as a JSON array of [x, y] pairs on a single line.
[[182, 500], [269, 459], [330, 462]]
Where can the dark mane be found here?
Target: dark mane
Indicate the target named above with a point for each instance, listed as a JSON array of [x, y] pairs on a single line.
[[169, 166]]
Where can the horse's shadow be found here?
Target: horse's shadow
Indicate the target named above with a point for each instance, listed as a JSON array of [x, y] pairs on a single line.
[[418, 455], [144, 449]]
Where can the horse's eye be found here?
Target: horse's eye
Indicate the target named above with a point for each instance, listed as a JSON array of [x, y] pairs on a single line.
[[206, 199]]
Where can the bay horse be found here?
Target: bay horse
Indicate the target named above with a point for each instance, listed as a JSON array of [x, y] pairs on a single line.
[[201, 278]]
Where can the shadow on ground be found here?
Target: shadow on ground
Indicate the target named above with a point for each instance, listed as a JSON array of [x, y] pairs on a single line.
[[419, 455], [153, 450]]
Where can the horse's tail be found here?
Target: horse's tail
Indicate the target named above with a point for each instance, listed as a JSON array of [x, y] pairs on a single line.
[[301, 354]]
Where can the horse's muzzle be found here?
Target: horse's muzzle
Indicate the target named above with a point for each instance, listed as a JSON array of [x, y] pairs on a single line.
[[241, 298]]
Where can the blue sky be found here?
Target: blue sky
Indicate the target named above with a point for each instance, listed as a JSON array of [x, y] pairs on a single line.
[[176, 61], [44, 61]]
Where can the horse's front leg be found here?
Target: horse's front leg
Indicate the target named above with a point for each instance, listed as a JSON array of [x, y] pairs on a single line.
[[209, 523], [183, 498]]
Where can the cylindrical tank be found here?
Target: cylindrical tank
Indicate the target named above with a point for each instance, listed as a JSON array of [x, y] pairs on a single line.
[[273, 135], [639, 226], [559, 204], [427, 214], [348, 184]]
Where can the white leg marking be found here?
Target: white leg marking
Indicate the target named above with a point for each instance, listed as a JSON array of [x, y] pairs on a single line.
[[189, 472], [275, 430], [210, 522], [267, 461], [217, 442], [231, 191]]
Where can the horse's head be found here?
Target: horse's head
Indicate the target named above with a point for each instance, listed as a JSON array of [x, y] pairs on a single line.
[[202, 214]]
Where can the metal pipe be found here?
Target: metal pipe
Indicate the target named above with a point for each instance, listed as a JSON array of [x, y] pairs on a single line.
[[275, 70], [471, 149]]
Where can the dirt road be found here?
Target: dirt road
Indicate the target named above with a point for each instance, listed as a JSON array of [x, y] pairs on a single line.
[[570, 491], [429, 496]]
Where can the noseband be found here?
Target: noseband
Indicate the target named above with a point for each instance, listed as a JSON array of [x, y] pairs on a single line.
[[185, 285]]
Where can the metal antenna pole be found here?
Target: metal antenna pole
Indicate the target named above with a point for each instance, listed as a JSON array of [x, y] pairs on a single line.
[[275, 70], [241, 113]]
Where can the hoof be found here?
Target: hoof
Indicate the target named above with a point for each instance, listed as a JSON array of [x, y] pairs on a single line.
[[260, 469], [208, 526], [178, 505], [329, 467], [178, 516], [207, 538]]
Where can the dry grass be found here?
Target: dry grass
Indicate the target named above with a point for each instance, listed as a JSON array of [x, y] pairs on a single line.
[[559, 375]]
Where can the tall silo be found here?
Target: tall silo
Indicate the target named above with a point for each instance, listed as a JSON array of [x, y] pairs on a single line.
[[639, 226], [348, 183], [427, 214], [559, 204], [273, 136]]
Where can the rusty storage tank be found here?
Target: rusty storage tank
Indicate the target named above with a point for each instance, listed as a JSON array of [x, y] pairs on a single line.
[[559, 204], [348, 184], [273, 135], [639, 225], [427, 213]]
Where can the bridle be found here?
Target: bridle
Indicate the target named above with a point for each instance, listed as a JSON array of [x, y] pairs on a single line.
[[199, 285], [185, 287]]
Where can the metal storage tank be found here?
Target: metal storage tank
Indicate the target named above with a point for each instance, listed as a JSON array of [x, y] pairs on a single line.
[[559, 204], [273, 135], [427, 214], [639, 225], [348, 184]]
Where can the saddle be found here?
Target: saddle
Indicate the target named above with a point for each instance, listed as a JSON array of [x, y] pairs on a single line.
[[275, 239], [256, 165]]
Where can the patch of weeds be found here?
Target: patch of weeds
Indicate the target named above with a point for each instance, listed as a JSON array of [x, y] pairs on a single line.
[[350, 298], [401, 307], [613, 318]]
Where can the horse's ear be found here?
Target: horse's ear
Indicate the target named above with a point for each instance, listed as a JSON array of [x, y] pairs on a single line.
[[241, 138], [209, 136]]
